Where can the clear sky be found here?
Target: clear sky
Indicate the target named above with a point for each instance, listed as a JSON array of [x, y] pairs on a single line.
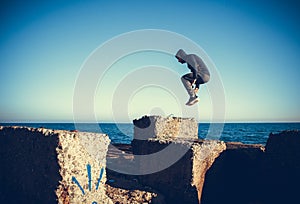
[[255, 46]]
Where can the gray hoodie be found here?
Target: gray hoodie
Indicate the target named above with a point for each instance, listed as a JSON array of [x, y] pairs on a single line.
[[195, 64]]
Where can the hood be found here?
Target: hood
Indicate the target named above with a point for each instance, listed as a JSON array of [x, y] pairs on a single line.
[[181, 54]]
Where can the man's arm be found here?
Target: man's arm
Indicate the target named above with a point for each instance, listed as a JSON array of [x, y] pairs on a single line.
[[194, 71]]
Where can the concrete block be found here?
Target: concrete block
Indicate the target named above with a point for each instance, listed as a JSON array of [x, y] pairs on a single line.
[[235, 176], [82, 160], [164, 128], [29, 170], [204, 155], [194, 157], [187, 173], [39, 165]]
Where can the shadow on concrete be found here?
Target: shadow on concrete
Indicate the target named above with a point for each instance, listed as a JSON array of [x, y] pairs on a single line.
[[29, 170]]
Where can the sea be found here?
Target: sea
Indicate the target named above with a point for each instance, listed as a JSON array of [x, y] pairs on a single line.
[[247, 133]]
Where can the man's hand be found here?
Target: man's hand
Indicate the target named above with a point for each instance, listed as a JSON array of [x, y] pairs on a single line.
[[193, 84]]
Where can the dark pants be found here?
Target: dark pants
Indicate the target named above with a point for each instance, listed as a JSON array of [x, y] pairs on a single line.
[[190, 78]]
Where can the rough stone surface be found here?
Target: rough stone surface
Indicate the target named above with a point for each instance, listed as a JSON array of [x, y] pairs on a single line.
[[235, 176], [281, 168], [204, 155], [153, 135], [75, 152], [36, 163], [127, 196], [172, 180], [29, 170], [165, 128], [256, 174], [187, 173], [124, 188]]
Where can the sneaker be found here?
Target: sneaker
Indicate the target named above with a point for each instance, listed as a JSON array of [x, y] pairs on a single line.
[[192, 101]]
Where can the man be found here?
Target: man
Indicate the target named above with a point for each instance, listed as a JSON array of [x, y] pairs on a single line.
[[199, 74]]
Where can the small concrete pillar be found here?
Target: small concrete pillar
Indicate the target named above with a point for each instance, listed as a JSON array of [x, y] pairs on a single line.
[[162, 128]]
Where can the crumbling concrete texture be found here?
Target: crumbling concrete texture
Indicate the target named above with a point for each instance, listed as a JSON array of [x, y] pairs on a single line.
[[181, 181], [161, 128], [125, 188], [130, 196], [82, 160], [204, 155], [30, 170]]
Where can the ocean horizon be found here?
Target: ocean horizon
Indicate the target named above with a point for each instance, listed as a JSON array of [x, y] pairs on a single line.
[[247, 133]]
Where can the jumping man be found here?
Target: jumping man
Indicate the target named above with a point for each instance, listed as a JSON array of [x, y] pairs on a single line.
[[199, 74]]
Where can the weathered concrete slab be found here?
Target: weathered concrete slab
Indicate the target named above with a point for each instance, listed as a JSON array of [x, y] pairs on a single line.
[[187, 173], [154, 135], [235, 176], [36, 163], [82, 160], [29, 170], [204, 155], [159, 127]]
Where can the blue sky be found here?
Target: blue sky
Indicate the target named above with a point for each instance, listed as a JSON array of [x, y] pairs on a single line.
[[254, 45]]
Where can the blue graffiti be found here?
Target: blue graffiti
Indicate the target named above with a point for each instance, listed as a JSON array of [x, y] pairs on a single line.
[[88, 167], [100, 177], [78, 184], [89, 173]]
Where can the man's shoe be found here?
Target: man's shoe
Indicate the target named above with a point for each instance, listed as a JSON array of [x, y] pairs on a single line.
[[192, 101]]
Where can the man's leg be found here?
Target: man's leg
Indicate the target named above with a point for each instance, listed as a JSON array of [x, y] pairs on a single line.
[[198, 82], [187, 83]]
